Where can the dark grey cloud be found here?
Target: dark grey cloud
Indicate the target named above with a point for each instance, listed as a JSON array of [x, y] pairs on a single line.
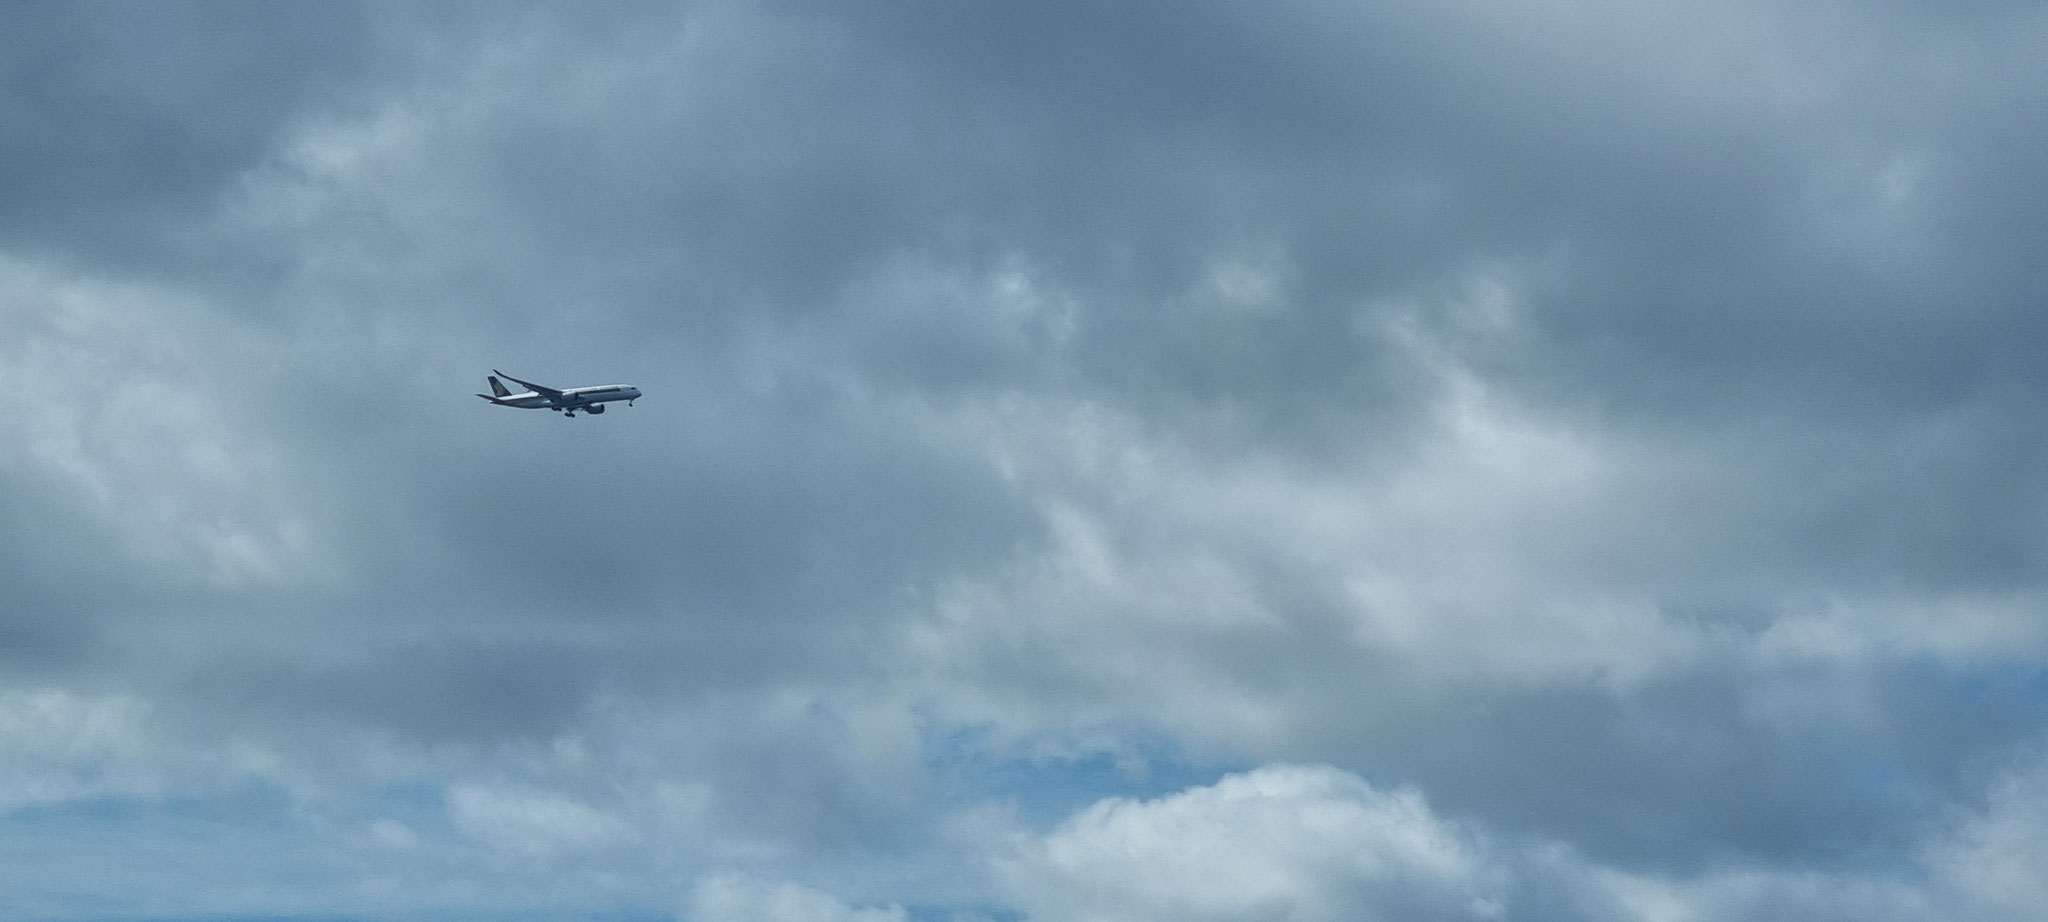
[[128, 123]]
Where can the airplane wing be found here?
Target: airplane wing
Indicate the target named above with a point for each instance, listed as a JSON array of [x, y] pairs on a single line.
[[548, 392]]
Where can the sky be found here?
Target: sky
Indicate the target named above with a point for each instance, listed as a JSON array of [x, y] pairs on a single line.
[[1301, 460]]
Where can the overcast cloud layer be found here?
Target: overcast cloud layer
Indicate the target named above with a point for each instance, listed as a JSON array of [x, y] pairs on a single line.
[[1525, 460]]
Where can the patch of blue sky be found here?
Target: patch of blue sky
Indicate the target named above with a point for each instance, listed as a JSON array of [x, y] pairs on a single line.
[[248, 918], [418, 917], [961, 914], [123, 857], [1991, 709], [1047, 779], [2007, 684]]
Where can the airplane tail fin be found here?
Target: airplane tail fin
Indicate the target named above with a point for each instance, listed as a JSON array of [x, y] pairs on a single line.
[[497, 387]]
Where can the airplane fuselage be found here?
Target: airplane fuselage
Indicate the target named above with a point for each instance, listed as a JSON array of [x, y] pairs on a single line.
[[576, 396], [567, 400]]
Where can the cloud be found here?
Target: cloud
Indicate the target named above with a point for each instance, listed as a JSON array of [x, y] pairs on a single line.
[[530, 822], [138, 437], [1314, 842], [60, 747], [1991, 863], [733, 898], [1282, 842], [1607, 428]]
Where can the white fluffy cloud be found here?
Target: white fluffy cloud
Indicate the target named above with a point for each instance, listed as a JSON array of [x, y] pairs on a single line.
[[1291, 842], [1279, 843]]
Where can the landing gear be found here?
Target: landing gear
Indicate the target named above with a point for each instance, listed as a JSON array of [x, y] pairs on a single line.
[[569, 415]]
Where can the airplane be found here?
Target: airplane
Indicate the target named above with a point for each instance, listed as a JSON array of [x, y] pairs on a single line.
[[565, 402]]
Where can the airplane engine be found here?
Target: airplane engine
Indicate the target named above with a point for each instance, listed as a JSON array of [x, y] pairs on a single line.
[[594, 408]]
